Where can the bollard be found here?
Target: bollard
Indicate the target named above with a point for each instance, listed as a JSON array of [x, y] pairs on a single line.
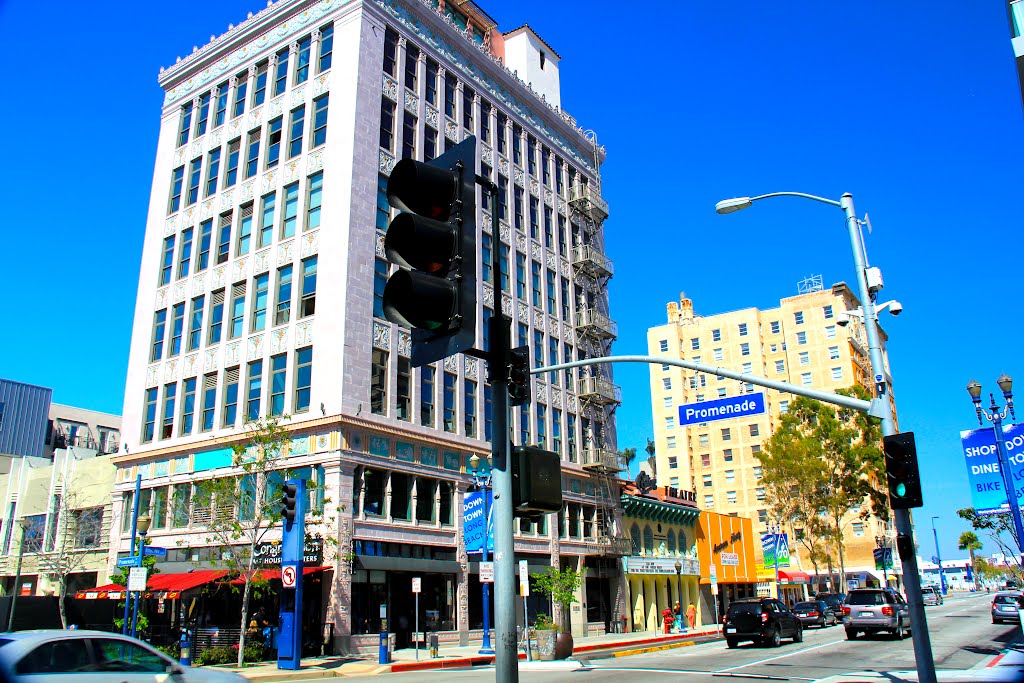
[[383, 653], [185, 656], [434, 645]]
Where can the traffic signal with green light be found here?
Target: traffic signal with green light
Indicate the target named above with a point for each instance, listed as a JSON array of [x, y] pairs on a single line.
[[901, 471], [433, 241]]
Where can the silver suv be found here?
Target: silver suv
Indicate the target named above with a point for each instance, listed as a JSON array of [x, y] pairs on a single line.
[[931, 595], [873, 610]]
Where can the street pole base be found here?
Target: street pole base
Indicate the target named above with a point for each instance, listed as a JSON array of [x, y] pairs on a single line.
[[486, 651]]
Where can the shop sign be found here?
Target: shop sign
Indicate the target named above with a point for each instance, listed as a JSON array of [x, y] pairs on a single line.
[[268, 553], [729, 559], [642, 565]]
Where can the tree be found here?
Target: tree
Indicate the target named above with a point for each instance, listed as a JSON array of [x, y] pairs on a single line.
[[627, 457], [969, 541], [823, 463], [121, 579], [76, 526], [242, 508], [650, 448], [996, 525], [560, 588]]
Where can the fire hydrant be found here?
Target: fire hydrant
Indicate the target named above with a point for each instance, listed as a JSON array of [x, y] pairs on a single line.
[[667, 619]]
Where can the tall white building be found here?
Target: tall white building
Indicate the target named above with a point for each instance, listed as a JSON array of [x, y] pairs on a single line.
[[261, 286]]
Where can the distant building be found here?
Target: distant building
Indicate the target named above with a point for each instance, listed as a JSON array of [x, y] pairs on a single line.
[[23, 418], [808, 340], [70, 427], [1016, 12]]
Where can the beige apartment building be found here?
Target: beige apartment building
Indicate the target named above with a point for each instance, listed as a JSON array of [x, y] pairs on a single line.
[[808, 340]]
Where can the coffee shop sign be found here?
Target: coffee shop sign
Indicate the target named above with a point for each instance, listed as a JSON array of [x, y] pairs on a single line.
[[268, 553]]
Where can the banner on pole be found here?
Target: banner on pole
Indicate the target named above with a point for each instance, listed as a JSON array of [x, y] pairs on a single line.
[[775, 546], [986, 479], [474, 523]]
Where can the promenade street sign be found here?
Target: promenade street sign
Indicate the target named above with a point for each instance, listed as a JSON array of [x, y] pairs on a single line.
[[127, 561], [153, 550], [988, 494], [721, 409]]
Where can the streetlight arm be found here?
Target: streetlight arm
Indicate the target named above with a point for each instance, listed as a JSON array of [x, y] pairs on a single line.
[[804, 195]]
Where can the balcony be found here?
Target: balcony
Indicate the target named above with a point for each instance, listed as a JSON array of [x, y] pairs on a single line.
[[589, 202], [600, 391], [591, 261], [590, 321], [603, 460], [610, 545]]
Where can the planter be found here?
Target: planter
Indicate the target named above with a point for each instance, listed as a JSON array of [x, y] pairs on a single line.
[[563, 645], [546, 644]]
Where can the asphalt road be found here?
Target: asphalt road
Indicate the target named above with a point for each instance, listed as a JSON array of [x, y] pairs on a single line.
[[962, 637]]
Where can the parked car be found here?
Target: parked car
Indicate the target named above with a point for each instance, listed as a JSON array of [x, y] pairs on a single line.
[[87, 656], [816, 613], [873, 610], [931, 595], [766, 621], [833, 600], [1005, 606]]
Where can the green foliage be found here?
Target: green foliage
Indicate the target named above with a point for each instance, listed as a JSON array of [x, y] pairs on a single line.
[[255, 652], [173, 650], [969, 541], [544, 623], [559, 586], [998, 526], [215, 655], [650, 447], [627, 457], [823, 461]]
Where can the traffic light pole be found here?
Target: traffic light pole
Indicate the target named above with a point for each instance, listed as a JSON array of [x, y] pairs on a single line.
[[506, 658]]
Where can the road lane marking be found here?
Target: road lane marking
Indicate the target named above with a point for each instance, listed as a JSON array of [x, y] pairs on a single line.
[[787, 654]]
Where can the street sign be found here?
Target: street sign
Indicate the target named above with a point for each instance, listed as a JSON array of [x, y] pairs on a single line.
[[524, 578], [417, 583], [137, 579], [729, 559], [486, 572], [983, 473], [288, 575], [127, 561], [713, 574], [153, 550], [721, 409]]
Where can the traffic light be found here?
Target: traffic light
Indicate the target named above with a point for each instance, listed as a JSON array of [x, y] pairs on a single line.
[[433, 241], [536, 481], [289, 501], [519, 389], [901, 471]]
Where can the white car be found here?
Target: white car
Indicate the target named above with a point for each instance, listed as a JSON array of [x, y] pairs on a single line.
[[94, 657], [931, 595]]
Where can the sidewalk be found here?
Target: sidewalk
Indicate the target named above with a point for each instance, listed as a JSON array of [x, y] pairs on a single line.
[[454, 656]]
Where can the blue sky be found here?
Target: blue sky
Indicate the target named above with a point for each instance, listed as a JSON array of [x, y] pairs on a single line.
[[915, 109]]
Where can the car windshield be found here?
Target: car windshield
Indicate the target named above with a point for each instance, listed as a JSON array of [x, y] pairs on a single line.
[[805, 605], [744, 608], [866, 598]]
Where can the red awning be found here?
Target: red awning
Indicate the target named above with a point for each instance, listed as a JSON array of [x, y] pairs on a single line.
[[158, 586], [792, 576], [271, 574]]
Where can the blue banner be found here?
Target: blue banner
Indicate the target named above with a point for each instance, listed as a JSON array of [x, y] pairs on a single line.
[[476, 516], [775, 546], [721, 409], [987, 492]]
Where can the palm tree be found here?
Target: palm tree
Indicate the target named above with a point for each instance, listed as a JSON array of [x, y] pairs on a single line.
[[627, 457], [969, 541]]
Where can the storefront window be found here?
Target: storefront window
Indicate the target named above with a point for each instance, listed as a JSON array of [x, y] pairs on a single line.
[[447, 495], [425, 489]]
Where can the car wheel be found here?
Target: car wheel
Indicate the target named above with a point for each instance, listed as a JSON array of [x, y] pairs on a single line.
[[823, 623], [897, 632], [798, 637], [775, 638], [731, 643], [851, 634]]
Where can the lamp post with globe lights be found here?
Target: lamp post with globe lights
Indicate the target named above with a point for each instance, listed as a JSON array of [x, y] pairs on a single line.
[[996, 417]]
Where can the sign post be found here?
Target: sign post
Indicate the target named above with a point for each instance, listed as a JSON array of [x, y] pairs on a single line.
[[293, 534], [524, 590], [713, 575], [417, 584]]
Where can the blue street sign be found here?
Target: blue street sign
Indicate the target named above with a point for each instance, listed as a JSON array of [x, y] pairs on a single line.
[[987, 493], [153, 550], [132, 561], [721, 409], [474, 523]]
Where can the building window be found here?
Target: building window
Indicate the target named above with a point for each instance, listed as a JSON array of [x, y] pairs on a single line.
[[780, 366], [195, 329], [237, 310], [717, 354], [449, 402], [205, 241], [833, 353], [837, 373], [799, 317], [380, 281], [194, 176], [408, 136], [149, 416], [755, 430], [805, 379], [314, 198], [326, 48], [177, 179], [743, 329], [469, 412], [403, 390], [755, 449], [830, 332], [296, 127], [730, 497], [776, 327], [391, 52], [695, 344], [186, 124], [805, 358], [747, 368], [726, 433], [702, 440], [252, 153], [266, 234], [663, 346], [744, 349], [727, 455], [666, 383], [671, 441], [730, 475], [167, 423], [259, 91], [244, 229], [283, 306], [302, 61], [828, 312], [709, 501], [387, 124], [290, 215], [801, 338], [858, 529], [254, 391], [156, 349], [281, 75], [212, 172], [278, 371], [177, 329], [216, 317], [303, 379], [274, 142], [307, 302], [379, 382], [319, 121], [707, 481], [758, 472], [670, 422], [188, 406], [722, 392], [259, 302], [230, 414], [209, 401], [673, 462], [783, 407], [427, 395], [239, 108], [224, 239], [705, 460]]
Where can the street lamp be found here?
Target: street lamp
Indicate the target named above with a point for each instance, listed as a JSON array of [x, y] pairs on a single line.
[[24, 523], [143, 527], [996, 417], [679, 592], [904, 525], [938, 556], [483, 484]]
